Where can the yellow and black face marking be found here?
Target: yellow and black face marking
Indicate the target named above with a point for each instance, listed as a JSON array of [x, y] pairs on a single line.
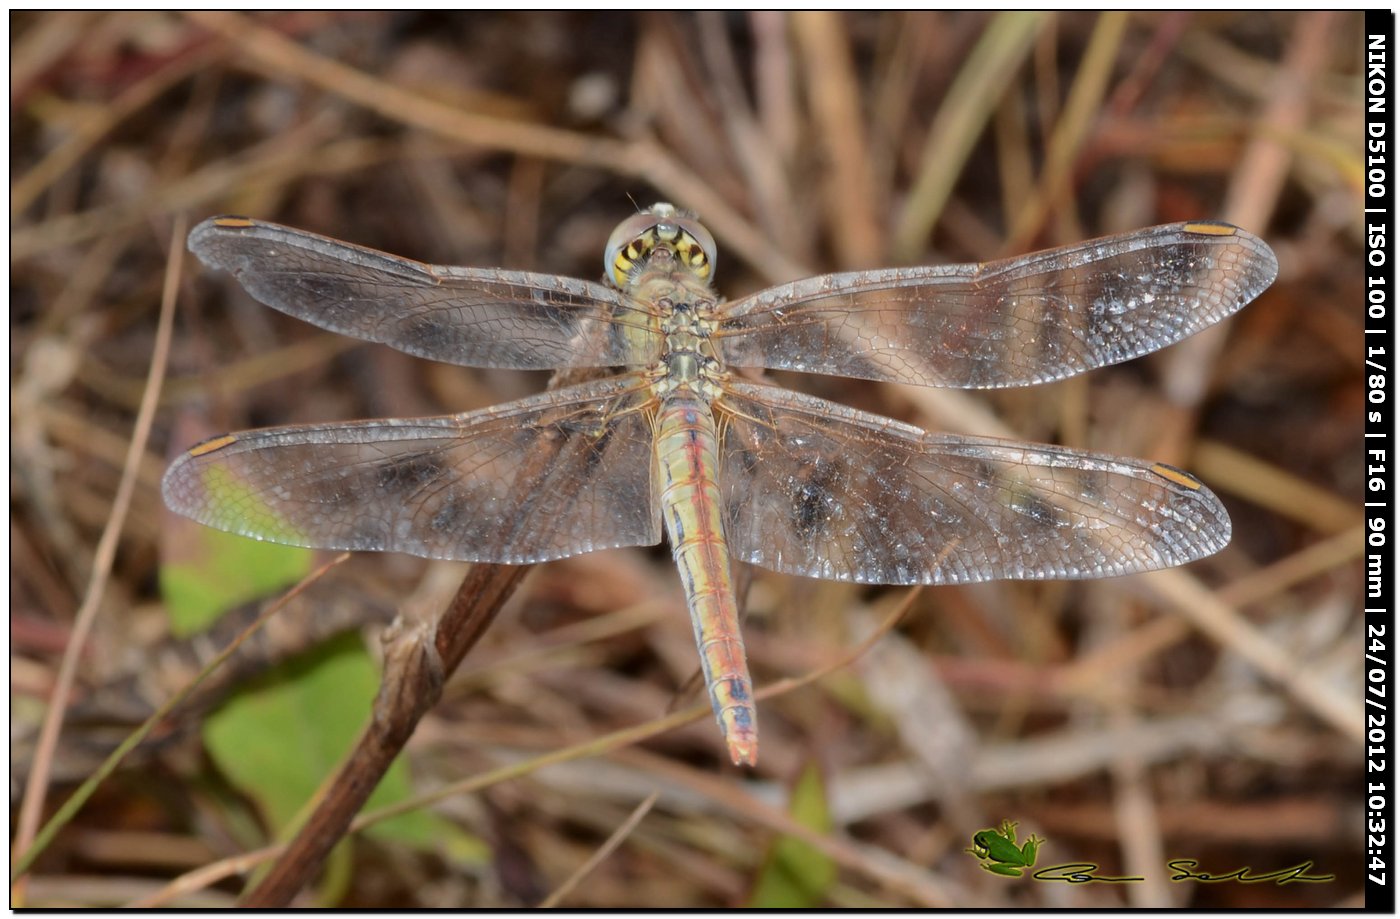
[[659, 226], [686, 247]]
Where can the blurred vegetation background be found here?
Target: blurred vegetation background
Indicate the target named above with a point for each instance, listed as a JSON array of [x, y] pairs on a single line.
[[1214, 715]]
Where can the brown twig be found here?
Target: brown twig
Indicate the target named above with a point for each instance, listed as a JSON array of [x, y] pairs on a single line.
[[597, 746], [418, 658], [415, 666]]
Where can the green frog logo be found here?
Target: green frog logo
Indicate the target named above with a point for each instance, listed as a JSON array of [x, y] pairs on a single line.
[[999, 853]]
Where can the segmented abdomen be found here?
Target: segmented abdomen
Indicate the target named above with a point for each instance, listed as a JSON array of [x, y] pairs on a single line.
[[687, 448]]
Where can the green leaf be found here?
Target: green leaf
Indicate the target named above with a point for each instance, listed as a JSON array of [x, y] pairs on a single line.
[[285, 733], [205, 573], [796, 875]]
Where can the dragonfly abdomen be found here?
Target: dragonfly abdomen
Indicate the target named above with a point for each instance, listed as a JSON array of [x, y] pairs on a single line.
[[687, 451]]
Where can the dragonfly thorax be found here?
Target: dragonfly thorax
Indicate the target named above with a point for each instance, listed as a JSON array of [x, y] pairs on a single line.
[[689, 357]]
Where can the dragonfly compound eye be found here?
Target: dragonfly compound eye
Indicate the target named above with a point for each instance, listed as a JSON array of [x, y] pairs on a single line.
[[660, 225]]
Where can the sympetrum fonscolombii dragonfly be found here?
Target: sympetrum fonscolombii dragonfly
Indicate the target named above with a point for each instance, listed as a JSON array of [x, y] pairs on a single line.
[[786, 481]]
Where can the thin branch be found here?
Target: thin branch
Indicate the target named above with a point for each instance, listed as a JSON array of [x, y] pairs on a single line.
[[415, 666], [114, 759], [36, 788], [210, 874], [606, 849]]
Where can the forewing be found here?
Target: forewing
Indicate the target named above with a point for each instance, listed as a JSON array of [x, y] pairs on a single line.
[[1013, 322], [478, 317], [818, 489], [551, 476]]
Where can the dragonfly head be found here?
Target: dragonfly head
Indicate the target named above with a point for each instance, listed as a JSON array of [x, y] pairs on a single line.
[[659, 226]]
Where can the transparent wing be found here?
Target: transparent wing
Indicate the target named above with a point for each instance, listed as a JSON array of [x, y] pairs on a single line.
[[546, 477], [818, 489], [1013, 322], [479, 317]]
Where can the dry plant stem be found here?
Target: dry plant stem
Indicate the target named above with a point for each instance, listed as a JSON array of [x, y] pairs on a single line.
[[1071, 130], [1269, 485], [210, 874], [1135, 813], [606, 849], [923, 886], [850, 192], [418, 659], [276, 56], [968, 105], [629, 736], [86, 790], [91, 130], [207, 876], [1263, 169], [415, 666], [34, 792], [1226, 626], [1256, 185], [759, 157], [33, 53]]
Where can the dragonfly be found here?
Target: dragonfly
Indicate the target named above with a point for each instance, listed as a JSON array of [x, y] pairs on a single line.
[[728, 467]]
